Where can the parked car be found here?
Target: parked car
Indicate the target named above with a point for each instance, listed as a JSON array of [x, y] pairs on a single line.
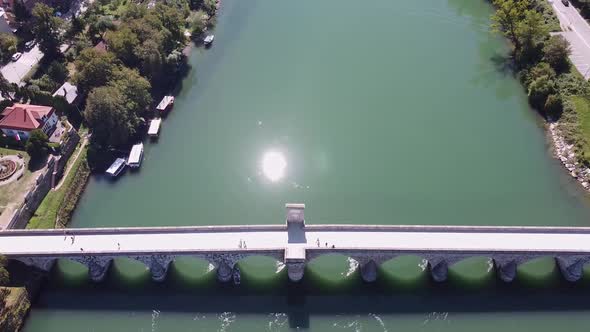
[[565, 3], [30, 44], [16, 56]]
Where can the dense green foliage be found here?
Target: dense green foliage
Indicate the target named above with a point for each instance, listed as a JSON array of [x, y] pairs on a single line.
[[6, 88], [46, 29], [37, 144], [7, 46], [553, 86], [542, 61], [3, 272]]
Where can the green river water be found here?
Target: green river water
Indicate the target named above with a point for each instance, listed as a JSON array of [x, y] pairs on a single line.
[[381, 112]]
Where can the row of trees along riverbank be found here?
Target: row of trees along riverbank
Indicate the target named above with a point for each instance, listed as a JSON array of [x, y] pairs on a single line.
[[540, 61]]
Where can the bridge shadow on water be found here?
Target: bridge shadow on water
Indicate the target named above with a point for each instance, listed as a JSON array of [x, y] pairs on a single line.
[[300, 303]]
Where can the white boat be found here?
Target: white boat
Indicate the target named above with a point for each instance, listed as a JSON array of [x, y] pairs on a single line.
[[116, 168], [154, 128], [208, 40], [135, 156], [165, 103]]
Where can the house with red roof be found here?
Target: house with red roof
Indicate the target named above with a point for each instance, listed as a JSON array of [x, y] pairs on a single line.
[[19, 120]]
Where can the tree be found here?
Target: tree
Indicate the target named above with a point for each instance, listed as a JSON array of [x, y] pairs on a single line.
[[98, 25], [134, 88], [7, 46], [150, 59], [45, 83], [556, 52], [106, 114], [123, 43], [507, 17], [37, 144], [540, 69], [46, 29], [531, 31], [21, 13], [209, 6], [197, 24], [172, 19], [93, 69], [6, 88], [4, 277], [81, 42], [58, 72], [77, 25]]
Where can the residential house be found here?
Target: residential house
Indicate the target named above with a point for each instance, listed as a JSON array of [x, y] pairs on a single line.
[[69, 92], [5, 22], [19, 120]]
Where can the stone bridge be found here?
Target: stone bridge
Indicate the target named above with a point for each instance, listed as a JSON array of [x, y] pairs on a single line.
[[296, 243]]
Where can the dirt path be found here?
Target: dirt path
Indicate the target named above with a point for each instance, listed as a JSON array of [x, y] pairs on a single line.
[[71, 163]]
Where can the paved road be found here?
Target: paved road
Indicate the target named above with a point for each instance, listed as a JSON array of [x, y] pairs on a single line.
[[125, 241], [15, 71], [577, 31]]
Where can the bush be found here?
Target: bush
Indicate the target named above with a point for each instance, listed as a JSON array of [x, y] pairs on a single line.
[[37, 144], [571, 84], [553, 106], [539, 70], [539, 90], [4, 277]]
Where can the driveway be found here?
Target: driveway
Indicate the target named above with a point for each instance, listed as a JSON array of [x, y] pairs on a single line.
[[15, 71]]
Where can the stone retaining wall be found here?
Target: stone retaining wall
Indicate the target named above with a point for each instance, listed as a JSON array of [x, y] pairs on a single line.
[[47, 180]]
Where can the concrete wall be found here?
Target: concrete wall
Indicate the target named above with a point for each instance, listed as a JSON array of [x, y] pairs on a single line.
[[47, 180]]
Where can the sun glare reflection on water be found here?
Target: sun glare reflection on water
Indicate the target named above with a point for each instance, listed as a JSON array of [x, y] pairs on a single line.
[[274, 165]]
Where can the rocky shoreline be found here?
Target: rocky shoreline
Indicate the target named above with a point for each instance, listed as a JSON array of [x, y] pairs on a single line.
[[565, 153]]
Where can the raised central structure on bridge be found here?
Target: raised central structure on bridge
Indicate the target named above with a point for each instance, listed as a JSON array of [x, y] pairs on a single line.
[[296, 243]]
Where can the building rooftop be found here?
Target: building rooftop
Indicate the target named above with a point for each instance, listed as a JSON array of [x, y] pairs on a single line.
[[24, 117], [68, 91]]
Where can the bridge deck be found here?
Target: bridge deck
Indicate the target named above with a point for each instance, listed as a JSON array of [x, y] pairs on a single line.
[[122, 241]]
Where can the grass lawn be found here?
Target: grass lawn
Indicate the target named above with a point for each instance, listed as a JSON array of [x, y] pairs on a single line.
[[582, 106], [46, 213]]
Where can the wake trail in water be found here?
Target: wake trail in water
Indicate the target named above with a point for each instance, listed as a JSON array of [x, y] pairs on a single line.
[[380, 321], [227, 318], [155, 316], [278, 320]]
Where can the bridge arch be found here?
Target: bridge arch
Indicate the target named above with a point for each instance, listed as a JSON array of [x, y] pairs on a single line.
[[226, 262]]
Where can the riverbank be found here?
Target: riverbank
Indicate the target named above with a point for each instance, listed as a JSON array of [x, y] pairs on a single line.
[[16, 307], [57, 207], [555, 88]]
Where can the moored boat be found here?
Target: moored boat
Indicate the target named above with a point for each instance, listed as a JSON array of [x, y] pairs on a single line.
[[135, 156], [116, 167], [154, 129], [208, 40], [165, 104]]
